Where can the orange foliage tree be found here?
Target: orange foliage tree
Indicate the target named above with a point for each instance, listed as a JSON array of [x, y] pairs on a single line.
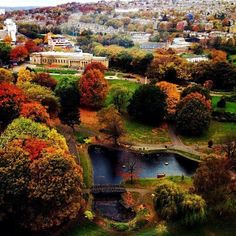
[[93, 89], [197, 96], [19, 53], [35, 111], [95, 65], [173, 96], [45, 79], [31, 46], [218, 55], [11, 98]]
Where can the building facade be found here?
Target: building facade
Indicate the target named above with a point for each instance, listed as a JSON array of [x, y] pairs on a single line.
[[77, 60], [9, 29]]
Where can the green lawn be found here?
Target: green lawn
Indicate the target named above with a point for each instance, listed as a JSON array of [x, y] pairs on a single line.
[[57, 71], [141, 133], [86, 164], [86, 229], [58, 77], [153, 182], [230, 106], [232, 58], [217, 131]]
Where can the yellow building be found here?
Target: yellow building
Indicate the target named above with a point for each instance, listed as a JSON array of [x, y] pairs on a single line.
[[77, 60]]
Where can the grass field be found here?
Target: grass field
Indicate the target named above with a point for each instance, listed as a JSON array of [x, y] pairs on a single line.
[[57, 71], [58, 77], [216, 132], [230, 106], [140, 133], [151, 183]]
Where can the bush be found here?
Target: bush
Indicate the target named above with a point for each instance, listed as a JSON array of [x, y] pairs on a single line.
[[221, 103], [120, 226]]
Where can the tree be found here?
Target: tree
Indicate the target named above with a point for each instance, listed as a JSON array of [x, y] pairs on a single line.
[[196, 89], [67, 91], [148, 104], [193, 118], [35, 111], [168, 66], [11, 99], [120, 97], [23, 128], [95, 65], [24, 75], [51, 181], [111, 123], [228, 146], [4, 53], [218, 55], [6, 76], [43, 95], [173, 97], [197, 96], [222, 74], [19, 53], [130, 168], [31, 46], [45, 79], [168, 197], [213, 181], [192, 209], [93, 89]]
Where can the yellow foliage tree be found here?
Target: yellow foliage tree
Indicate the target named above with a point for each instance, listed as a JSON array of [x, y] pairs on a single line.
[[24, 75], [173, 96]]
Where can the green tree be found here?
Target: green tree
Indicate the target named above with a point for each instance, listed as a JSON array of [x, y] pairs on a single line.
[[120, 97], [68, 92], [148, 104], [193, 209], [193, 118], [4, 53]]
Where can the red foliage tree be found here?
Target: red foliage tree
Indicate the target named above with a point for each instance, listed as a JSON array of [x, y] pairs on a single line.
[[19, 53], [44, 79], [95, 65], [93, 88], [11, 99], [35, 111], [31, 46]]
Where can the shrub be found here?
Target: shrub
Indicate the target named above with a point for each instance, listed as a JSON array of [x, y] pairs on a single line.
[[221, 103], [120, 226]]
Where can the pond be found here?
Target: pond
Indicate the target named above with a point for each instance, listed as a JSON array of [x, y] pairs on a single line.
[[111, 165]]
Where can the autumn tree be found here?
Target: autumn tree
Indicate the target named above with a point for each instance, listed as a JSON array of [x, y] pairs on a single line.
[[19, 53], [193, 118], [24, 75], [22, 128], [213, 181], [51, 180], [11, 99], [43, 95], [95, 65], [31, 46], [168, 66], [6, 76], [111, 123], [218, 55], [173, 97], [196, 89], [45, 79], [148, 104], [93, 89], [35, 111], [68, 92]]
